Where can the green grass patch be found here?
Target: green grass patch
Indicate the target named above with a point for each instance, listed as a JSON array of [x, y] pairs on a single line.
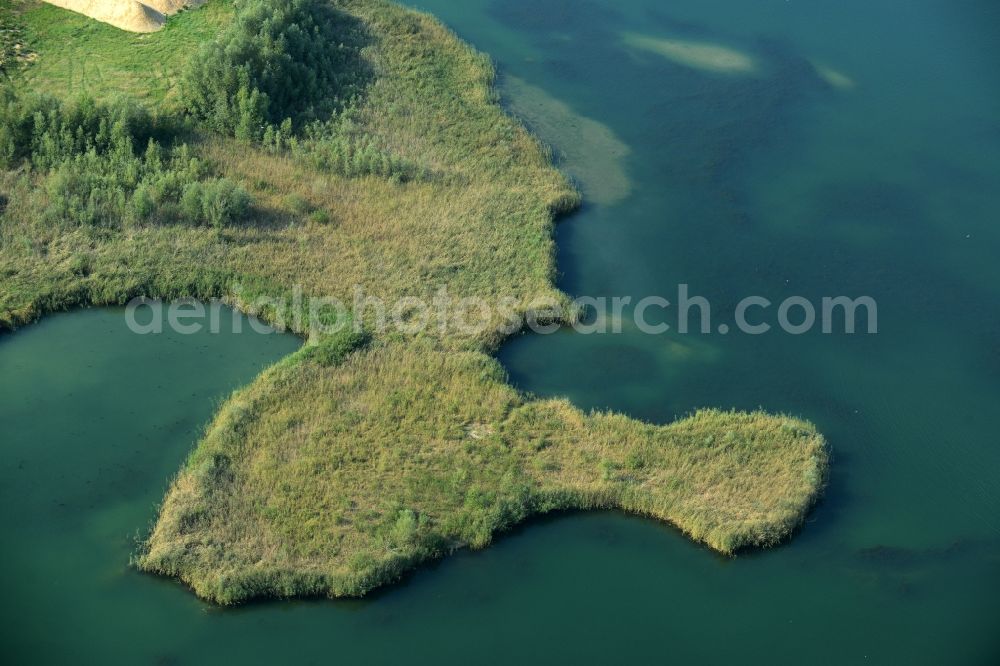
[[77, 55]]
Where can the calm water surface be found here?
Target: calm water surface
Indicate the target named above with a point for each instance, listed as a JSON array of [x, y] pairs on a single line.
[[858, 154]]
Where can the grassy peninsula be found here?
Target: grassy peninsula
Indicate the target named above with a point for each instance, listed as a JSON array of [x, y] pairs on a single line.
[[392, 167]]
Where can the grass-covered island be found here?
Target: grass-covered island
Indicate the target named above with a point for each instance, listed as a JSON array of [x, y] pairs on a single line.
[[253, 148]]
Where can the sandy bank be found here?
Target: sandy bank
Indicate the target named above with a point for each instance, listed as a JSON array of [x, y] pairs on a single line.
[[131, 15]]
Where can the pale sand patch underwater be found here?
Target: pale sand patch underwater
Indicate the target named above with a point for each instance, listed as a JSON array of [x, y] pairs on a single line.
[[589, 151], [834, 78], [698, 55]]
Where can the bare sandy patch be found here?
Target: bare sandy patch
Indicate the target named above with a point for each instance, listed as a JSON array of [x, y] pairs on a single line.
[[168, 7], [130, 15], [589, 151], [705, 56]]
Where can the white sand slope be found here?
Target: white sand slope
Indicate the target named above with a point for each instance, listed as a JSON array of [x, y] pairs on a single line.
[[131, 15], [168, 7]]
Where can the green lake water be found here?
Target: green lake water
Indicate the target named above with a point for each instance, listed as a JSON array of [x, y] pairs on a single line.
[[881, 179]]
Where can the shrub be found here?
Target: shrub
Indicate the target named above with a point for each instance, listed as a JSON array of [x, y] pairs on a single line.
[[332, 350], [47, 133], [104, 165], [340, 147], [317, 217], [277, 61], [298, 204], [215, 203], [404, 531]]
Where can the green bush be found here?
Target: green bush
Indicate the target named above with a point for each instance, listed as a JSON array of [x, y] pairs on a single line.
[[339, 146], [277, 61], [215, 203], [317, 217], [298, 204], [333, 349], [404, 531], [46, 132], [106, 191], [103, 165]]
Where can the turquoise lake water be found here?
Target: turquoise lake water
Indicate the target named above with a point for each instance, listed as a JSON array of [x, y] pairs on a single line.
[[770, 148]]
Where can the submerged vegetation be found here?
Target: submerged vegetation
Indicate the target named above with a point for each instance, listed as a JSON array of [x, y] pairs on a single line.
[[392, 168]]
